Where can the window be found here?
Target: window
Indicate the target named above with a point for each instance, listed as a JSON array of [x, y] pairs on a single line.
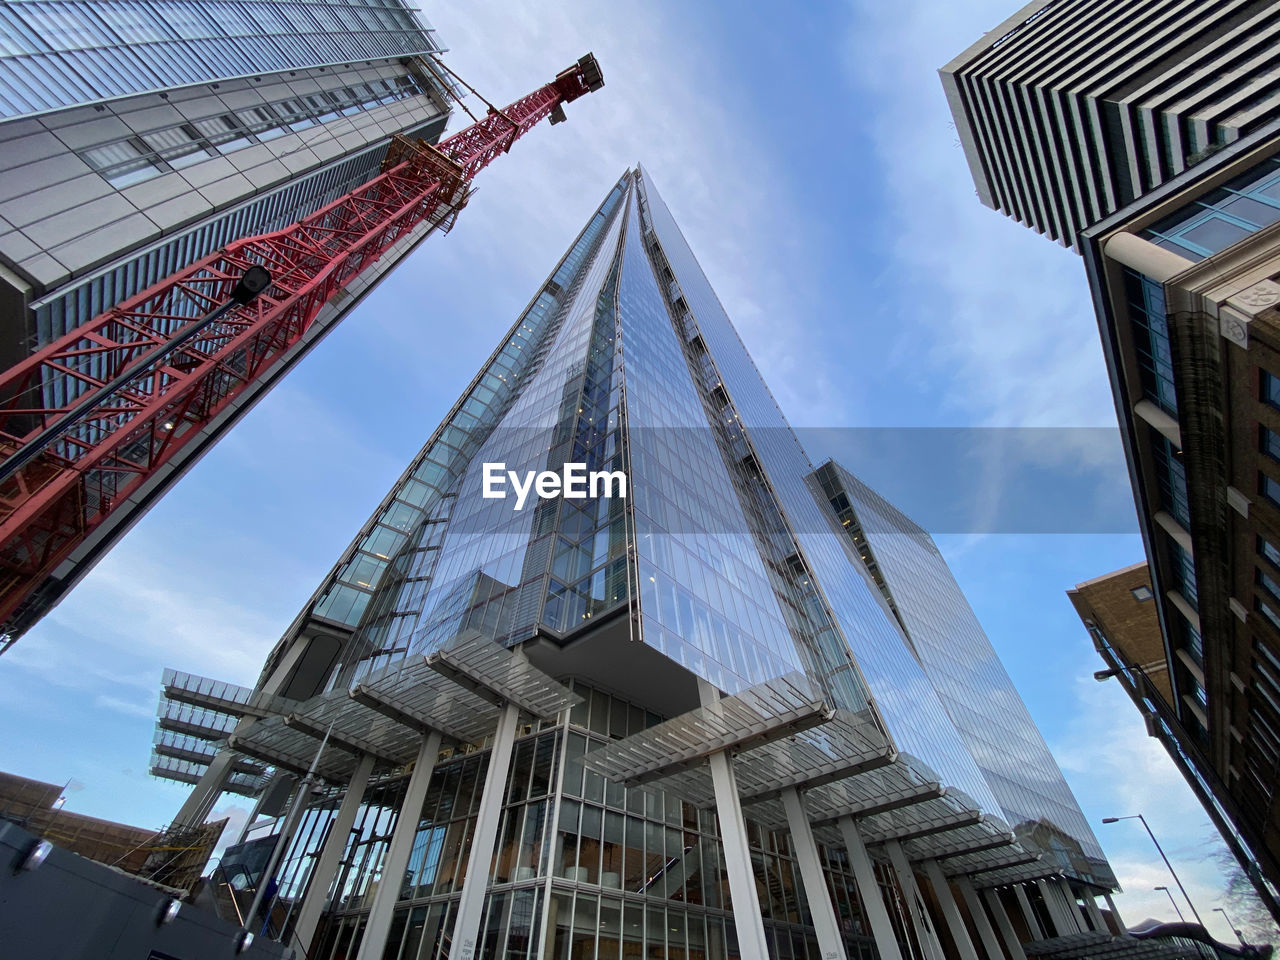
[[1269, 488], [1171, 477], [1268, 584], [1269, 442], [1141, 593], [1270, 388], [1268, 550], [1224, 216]]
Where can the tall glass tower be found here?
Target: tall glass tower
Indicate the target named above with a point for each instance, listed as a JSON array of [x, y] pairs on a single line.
[[742, 710]]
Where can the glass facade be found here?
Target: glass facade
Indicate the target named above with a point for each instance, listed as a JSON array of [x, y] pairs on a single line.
[[725, 563], [976, 691], [1215, 221], [583, 867], [55, 53]]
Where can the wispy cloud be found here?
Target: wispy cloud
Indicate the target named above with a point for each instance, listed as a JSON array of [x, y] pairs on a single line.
[[1117, 770], [1003, 313]]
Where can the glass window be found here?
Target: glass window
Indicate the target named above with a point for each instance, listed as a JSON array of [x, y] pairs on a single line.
[[1269, 488], [1269, 442], [1224, 216], [1270, 388], [1269, 550]]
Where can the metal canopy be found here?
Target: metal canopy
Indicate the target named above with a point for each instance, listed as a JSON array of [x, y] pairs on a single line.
[[758, 715], [229, 698], [1097, 945], [999, 859], [1036, 869], [947, 812], [990, 834], [903, 782], [421, 699], [846, 745], [354, 744], [271, 741], [454, 691], [193, 721], [501, 676]]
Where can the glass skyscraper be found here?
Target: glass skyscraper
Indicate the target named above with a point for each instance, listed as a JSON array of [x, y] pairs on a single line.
[[139, 136], [741, 711]]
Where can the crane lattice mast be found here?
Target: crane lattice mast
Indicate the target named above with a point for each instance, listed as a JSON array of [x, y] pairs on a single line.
[[94, 418]]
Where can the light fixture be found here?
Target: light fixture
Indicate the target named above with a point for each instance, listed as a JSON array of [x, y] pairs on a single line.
[[168, 911], [37, 855], [244, 941]]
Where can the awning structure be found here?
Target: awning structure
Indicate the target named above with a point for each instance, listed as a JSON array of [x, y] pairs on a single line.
[[902, 783], [1096, 945], [844, 746], [1005, 874], [843, 762], [1001, 858], [951, 810], [221, 697], [495, 673], [961, 842], [752, 718], [457, 691], [283, 747]]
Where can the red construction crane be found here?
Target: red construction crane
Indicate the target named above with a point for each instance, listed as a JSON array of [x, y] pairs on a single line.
[[93, 418]]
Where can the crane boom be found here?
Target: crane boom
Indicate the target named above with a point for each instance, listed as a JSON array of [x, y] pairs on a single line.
[[110, 404]]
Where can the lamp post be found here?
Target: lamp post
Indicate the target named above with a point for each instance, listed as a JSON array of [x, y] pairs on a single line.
[[1169, 894], [1138, 816], [1234, 928]]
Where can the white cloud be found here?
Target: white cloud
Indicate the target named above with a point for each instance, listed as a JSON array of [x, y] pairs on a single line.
[[1006, 312], [1116, 770], [664, 105]]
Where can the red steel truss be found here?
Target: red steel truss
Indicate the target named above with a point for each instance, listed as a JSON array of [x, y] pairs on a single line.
[[54, 501]]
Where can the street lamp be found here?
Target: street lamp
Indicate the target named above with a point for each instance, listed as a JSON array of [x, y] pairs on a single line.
[[1138, 816], [1234, 928], [1173, 901]]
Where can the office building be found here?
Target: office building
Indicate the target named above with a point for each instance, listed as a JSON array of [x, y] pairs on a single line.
[[742, 711], [1070, 110], [138, 137], [1146, 137], [1185, 288], [1119, 611]]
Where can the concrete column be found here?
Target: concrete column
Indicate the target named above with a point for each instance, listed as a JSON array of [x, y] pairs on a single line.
[[374, 941], [1069, 902], [1011, 942], [326, 864], [1033, 922], [990, 945], [950, 912], [466, 928], [1115, 914], [1144, 256], [747, 918], [206, 793], [915, 902], [1095, 915], [1062, 924], [869, 895], [825, 923], [1067, 897]]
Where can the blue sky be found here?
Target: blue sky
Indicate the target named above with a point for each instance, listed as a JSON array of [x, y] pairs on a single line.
[[809, 157]]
